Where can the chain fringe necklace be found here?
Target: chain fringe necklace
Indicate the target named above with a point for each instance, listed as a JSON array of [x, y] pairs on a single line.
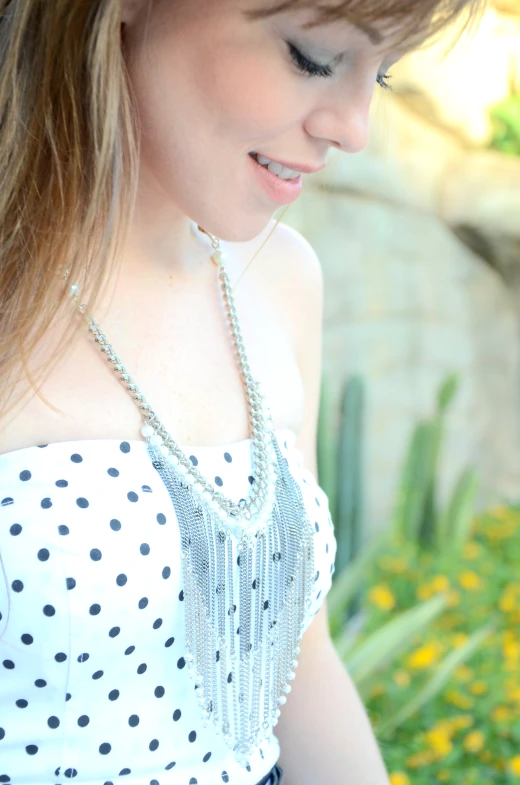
[[241, 679]]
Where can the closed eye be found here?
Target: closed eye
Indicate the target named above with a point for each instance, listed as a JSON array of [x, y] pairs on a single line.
[[311, 68]]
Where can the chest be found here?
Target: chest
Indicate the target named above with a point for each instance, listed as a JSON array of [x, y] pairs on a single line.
[[177, 345]]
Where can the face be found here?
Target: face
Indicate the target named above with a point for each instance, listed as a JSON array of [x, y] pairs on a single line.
[[214, 87]]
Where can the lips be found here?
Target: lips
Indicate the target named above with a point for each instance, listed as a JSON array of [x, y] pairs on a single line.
[[298, 167]]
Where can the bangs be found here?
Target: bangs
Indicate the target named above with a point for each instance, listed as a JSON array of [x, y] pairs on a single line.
[[412, 22]]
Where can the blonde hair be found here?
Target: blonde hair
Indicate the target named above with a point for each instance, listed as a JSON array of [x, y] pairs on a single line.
[[68, 163], [69, 154]]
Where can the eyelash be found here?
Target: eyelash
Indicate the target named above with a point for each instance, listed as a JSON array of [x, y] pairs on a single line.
[[310, 68]]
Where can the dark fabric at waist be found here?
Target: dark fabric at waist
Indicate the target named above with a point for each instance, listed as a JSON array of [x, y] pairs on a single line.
[[273, 777]]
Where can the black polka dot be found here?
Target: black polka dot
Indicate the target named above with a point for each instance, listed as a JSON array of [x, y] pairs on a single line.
[[46, 503], [114, 632], [76, 458], [115, 525], [206, 757], [43, 554], [9, 664], [316, 526], [53, 722], [194, 460], [31, 749], [83, 657], [193, 781], [27, 639], [124, 447], [17, 586], [22, 703], [5, 778], [70, 773], [63, 530], [83, 721], [124, 771], [40, 683], [230, 677], [49, 610], [68, 696], [60, 656], [227, 457], [143, 602], [176, 715], [218, 481], [166, 572], [95, 554], [81, 502], [192, 736], [7, 501], [130, 649], [121, 579], [61, 483], [71, 583], [161, 519], [225, 776], [154, 782], [133, 721], [169, 642], [132, 496], [181, 595], [2, 734], [105, 748], [15, 529], [157, 623], [181, 662], [153, 745], [146, 489], [113, 695], [142, 668], [159, 692], [97, 674], [113, 472], [144, 548], [94, 609], [25, 475], [251, 479], [170, 765]]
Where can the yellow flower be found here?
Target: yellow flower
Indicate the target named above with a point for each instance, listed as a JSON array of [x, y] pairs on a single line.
[[423, 657], [471, 550], [470, 580], [478, 687], [511, 650], [474, 741], [440, 583], [399, 778], [453, 598], [510, 599], [463, 673], [459, 639], [444, 775], [439, 741], [424, 591], [459, 699], [500, 714], [402, 678], [514, 765], [382, 597], [421, 759]]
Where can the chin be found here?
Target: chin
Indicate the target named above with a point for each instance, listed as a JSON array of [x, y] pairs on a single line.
[[235, 229]]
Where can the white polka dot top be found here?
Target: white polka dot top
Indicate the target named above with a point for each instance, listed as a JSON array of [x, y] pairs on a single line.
[[93, 683]]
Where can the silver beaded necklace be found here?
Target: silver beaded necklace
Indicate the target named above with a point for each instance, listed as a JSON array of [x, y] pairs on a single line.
[[267, 538]]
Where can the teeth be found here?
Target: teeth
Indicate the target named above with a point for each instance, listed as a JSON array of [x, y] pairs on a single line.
[[282, 171]]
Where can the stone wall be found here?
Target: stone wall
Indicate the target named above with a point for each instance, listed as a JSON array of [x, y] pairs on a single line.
[[418, 237]]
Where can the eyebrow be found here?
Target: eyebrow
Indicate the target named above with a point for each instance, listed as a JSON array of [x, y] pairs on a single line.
[[373, 36]]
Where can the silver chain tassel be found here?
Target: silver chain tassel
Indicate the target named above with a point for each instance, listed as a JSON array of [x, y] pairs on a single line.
[[267, 538]]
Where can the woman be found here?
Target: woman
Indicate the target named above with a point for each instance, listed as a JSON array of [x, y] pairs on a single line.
[[166, 553]]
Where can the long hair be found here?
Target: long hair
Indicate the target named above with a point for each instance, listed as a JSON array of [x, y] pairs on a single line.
[[69, 150], [68, 162]]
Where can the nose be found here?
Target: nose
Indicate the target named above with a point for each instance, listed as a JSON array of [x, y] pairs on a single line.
[[342, 117]]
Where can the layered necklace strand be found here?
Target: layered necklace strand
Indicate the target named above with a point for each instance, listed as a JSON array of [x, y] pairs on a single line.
[[269, 538]]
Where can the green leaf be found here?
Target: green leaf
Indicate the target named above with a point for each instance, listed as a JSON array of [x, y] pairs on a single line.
[[447, 392], [388, 641], [455, 524]]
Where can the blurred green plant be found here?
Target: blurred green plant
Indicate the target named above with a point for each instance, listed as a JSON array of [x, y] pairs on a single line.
[[505, 120], [401, 622]]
